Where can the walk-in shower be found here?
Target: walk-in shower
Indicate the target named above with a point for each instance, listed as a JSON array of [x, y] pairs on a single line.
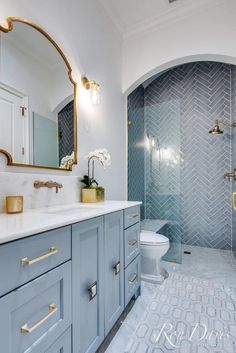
[[174, 165]]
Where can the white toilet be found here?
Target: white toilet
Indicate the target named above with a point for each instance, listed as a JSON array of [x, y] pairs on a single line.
[[153, 247]]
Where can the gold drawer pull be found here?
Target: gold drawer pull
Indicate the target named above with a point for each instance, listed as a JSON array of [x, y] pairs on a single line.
[[132, 242], [25, 329], [133, 278], [135, 215], [51, 251], [233, 200]]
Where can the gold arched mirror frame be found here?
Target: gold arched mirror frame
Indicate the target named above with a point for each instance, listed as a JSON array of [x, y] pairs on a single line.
[[8, 28]]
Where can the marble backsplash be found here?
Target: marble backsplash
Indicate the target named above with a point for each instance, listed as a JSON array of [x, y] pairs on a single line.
[[22, 184]]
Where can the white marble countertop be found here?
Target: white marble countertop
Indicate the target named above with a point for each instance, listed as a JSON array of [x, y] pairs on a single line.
[[13, 227]]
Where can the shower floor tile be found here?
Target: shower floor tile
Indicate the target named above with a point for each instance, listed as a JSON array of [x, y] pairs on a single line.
[[213, 264], [193, 311]]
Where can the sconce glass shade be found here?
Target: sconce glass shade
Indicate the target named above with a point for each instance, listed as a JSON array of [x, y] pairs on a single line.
[[95, 93], [94, 89]]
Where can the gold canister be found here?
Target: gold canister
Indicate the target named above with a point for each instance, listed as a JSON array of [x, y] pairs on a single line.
[[92, 194], [14, 204]]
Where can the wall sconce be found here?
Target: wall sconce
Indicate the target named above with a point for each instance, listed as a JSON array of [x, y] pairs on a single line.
[[94, 89]]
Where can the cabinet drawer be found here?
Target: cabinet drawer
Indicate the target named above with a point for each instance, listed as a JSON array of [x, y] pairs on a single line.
[[35, 315], [62, 345], [28, 258], [131, 216], [132, 279], [132, 243]]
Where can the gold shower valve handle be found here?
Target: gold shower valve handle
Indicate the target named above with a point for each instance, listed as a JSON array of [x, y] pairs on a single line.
[[233, 201], [231, 175]]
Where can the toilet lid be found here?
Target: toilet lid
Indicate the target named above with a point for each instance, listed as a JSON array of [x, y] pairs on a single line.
[[152, 238]]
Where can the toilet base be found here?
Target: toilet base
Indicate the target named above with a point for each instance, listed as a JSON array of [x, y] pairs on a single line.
[[155, 279], [152, 279]]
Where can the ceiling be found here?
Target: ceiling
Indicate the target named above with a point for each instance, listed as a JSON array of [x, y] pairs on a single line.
[[135, 15]]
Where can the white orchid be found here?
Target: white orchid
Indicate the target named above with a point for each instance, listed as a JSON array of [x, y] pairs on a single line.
[[67, 161], [102, 155], [104, 158]]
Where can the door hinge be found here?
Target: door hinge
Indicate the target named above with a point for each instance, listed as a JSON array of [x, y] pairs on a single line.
[[23, 150], [23, 109]]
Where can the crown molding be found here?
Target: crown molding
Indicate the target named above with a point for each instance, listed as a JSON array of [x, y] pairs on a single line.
[[178, 10], [170, 16]]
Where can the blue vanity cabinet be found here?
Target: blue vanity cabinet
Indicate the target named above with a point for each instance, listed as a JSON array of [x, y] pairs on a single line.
[[88, 285], [114, 268], [62, 291]]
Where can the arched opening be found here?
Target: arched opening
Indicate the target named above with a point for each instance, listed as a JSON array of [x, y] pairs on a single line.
[[178, 167], [143, 76]]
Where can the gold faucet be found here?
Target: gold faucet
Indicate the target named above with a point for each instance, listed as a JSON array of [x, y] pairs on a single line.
[[47, 184], [230, 175]]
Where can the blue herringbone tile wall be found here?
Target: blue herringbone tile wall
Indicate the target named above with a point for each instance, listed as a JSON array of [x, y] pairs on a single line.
[[66, 130], [233, 95], [183, 178]]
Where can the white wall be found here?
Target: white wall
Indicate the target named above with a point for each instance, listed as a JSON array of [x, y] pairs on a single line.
[[206, 34], [92, 47]]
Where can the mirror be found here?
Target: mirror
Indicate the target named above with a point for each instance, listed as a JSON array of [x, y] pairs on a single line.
[[37, 99]]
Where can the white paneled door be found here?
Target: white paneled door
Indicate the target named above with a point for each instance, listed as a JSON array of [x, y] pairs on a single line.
[[13, 125]]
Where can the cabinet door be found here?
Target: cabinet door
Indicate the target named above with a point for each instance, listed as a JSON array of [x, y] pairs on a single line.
[[88, 285], [114, 268]]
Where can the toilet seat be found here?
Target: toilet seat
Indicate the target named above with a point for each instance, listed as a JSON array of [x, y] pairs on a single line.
[[152, 238]]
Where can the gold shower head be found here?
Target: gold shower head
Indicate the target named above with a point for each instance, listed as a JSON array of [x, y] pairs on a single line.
[[216, 129]]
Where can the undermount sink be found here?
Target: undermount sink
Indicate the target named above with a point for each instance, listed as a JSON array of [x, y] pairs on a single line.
[[78, 210]]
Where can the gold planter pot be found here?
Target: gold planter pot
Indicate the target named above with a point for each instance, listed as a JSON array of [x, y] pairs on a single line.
[[91, 195]]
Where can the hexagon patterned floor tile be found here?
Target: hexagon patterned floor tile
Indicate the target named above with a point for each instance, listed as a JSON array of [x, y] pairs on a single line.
[[186, 314]]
